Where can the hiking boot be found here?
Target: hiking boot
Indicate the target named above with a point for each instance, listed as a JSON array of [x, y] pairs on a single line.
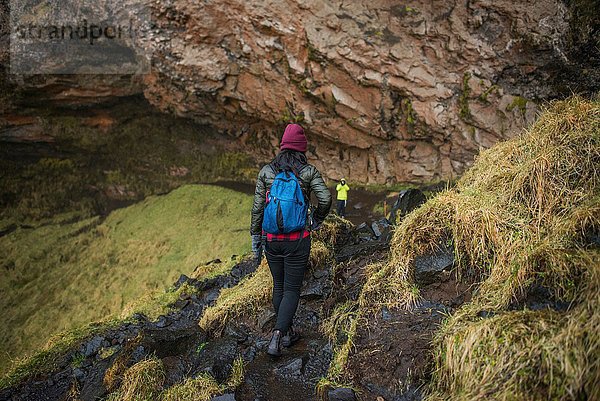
[[290, 338], [274, 348]]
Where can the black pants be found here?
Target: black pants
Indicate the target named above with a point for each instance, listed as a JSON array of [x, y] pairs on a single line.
[[287, 262], [341, 208]]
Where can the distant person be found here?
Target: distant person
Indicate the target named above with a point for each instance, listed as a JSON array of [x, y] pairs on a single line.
[[280, 224], [342, 197]]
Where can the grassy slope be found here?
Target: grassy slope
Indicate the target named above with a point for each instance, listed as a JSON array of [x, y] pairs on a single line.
[[520, 218], [64, 274]]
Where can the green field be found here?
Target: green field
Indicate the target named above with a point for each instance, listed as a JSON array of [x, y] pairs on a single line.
[[65, 273]]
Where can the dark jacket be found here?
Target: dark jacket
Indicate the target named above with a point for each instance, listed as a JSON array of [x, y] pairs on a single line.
[[310, 182]]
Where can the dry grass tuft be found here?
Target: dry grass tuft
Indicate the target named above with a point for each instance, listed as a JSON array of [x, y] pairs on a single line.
[[520, 355], [245, 298], [141, 382], [340, 328], [332, 230], [114, 374], [238, 370], [204, 387], [320, 255], [201, 388]]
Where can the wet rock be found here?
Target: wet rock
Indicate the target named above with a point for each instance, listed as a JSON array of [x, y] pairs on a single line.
[[359, 206], [138, 354], [385, 313], [217, 358], [92, 385], [350, 251], [250, 354], [292, 369], [429, 267], [381, 228], [313, 290], [78, 373], [364, 232], [318, 361], [407, 201], [93, 346], [321, 273], [224, 397], [261, 344], [237, 272], [181, 304], [211, 296], [175, 369], [341, 394], [485, 314], [236, 332], [266, 317]]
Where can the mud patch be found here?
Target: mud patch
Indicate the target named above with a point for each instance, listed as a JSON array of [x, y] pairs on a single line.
[[393, 355]]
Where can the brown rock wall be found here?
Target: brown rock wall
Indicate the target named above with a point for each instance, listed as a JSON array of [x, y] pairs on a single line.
[[387, 91]]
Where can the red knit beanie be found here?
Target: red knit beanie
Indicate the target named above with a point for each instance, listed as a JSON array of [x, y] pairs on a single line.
[[294, 138]]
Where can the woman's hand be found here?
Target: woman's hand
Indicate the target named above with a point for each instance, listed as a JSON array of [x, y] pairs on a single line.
[[257, 247]]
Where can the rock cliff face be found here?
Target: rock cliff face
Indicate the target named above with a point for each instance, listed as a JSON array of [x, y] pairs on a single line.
[[388, 91]]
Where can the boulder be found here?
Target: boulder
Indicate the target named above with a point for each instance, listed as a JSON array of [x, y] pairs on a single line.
[[429, 267], [407, 201], [364, 232]]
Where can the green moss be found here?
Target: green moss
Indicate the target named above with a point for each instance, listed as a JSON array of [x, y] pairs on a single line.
[[77, 360], [492, 89], [289, 117], [409, 112], [463, 100], [519, 103], [313, 53]]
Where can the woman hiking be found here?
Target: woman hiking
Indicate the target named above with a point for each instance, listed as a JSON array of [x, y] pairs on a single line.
[[281, 225]]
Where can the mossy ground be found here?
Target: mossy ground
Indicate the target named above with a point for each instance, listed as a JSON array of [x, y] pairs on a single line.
[[519, 219], [65, 274]]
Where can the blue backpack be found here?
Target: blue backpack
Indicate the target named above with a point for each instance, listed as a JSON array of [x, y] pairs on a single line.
[[286, 208]]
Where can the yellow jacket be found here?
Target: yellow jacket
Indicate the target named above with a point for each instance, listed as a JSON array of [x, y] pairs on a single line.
[[342, 191]]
